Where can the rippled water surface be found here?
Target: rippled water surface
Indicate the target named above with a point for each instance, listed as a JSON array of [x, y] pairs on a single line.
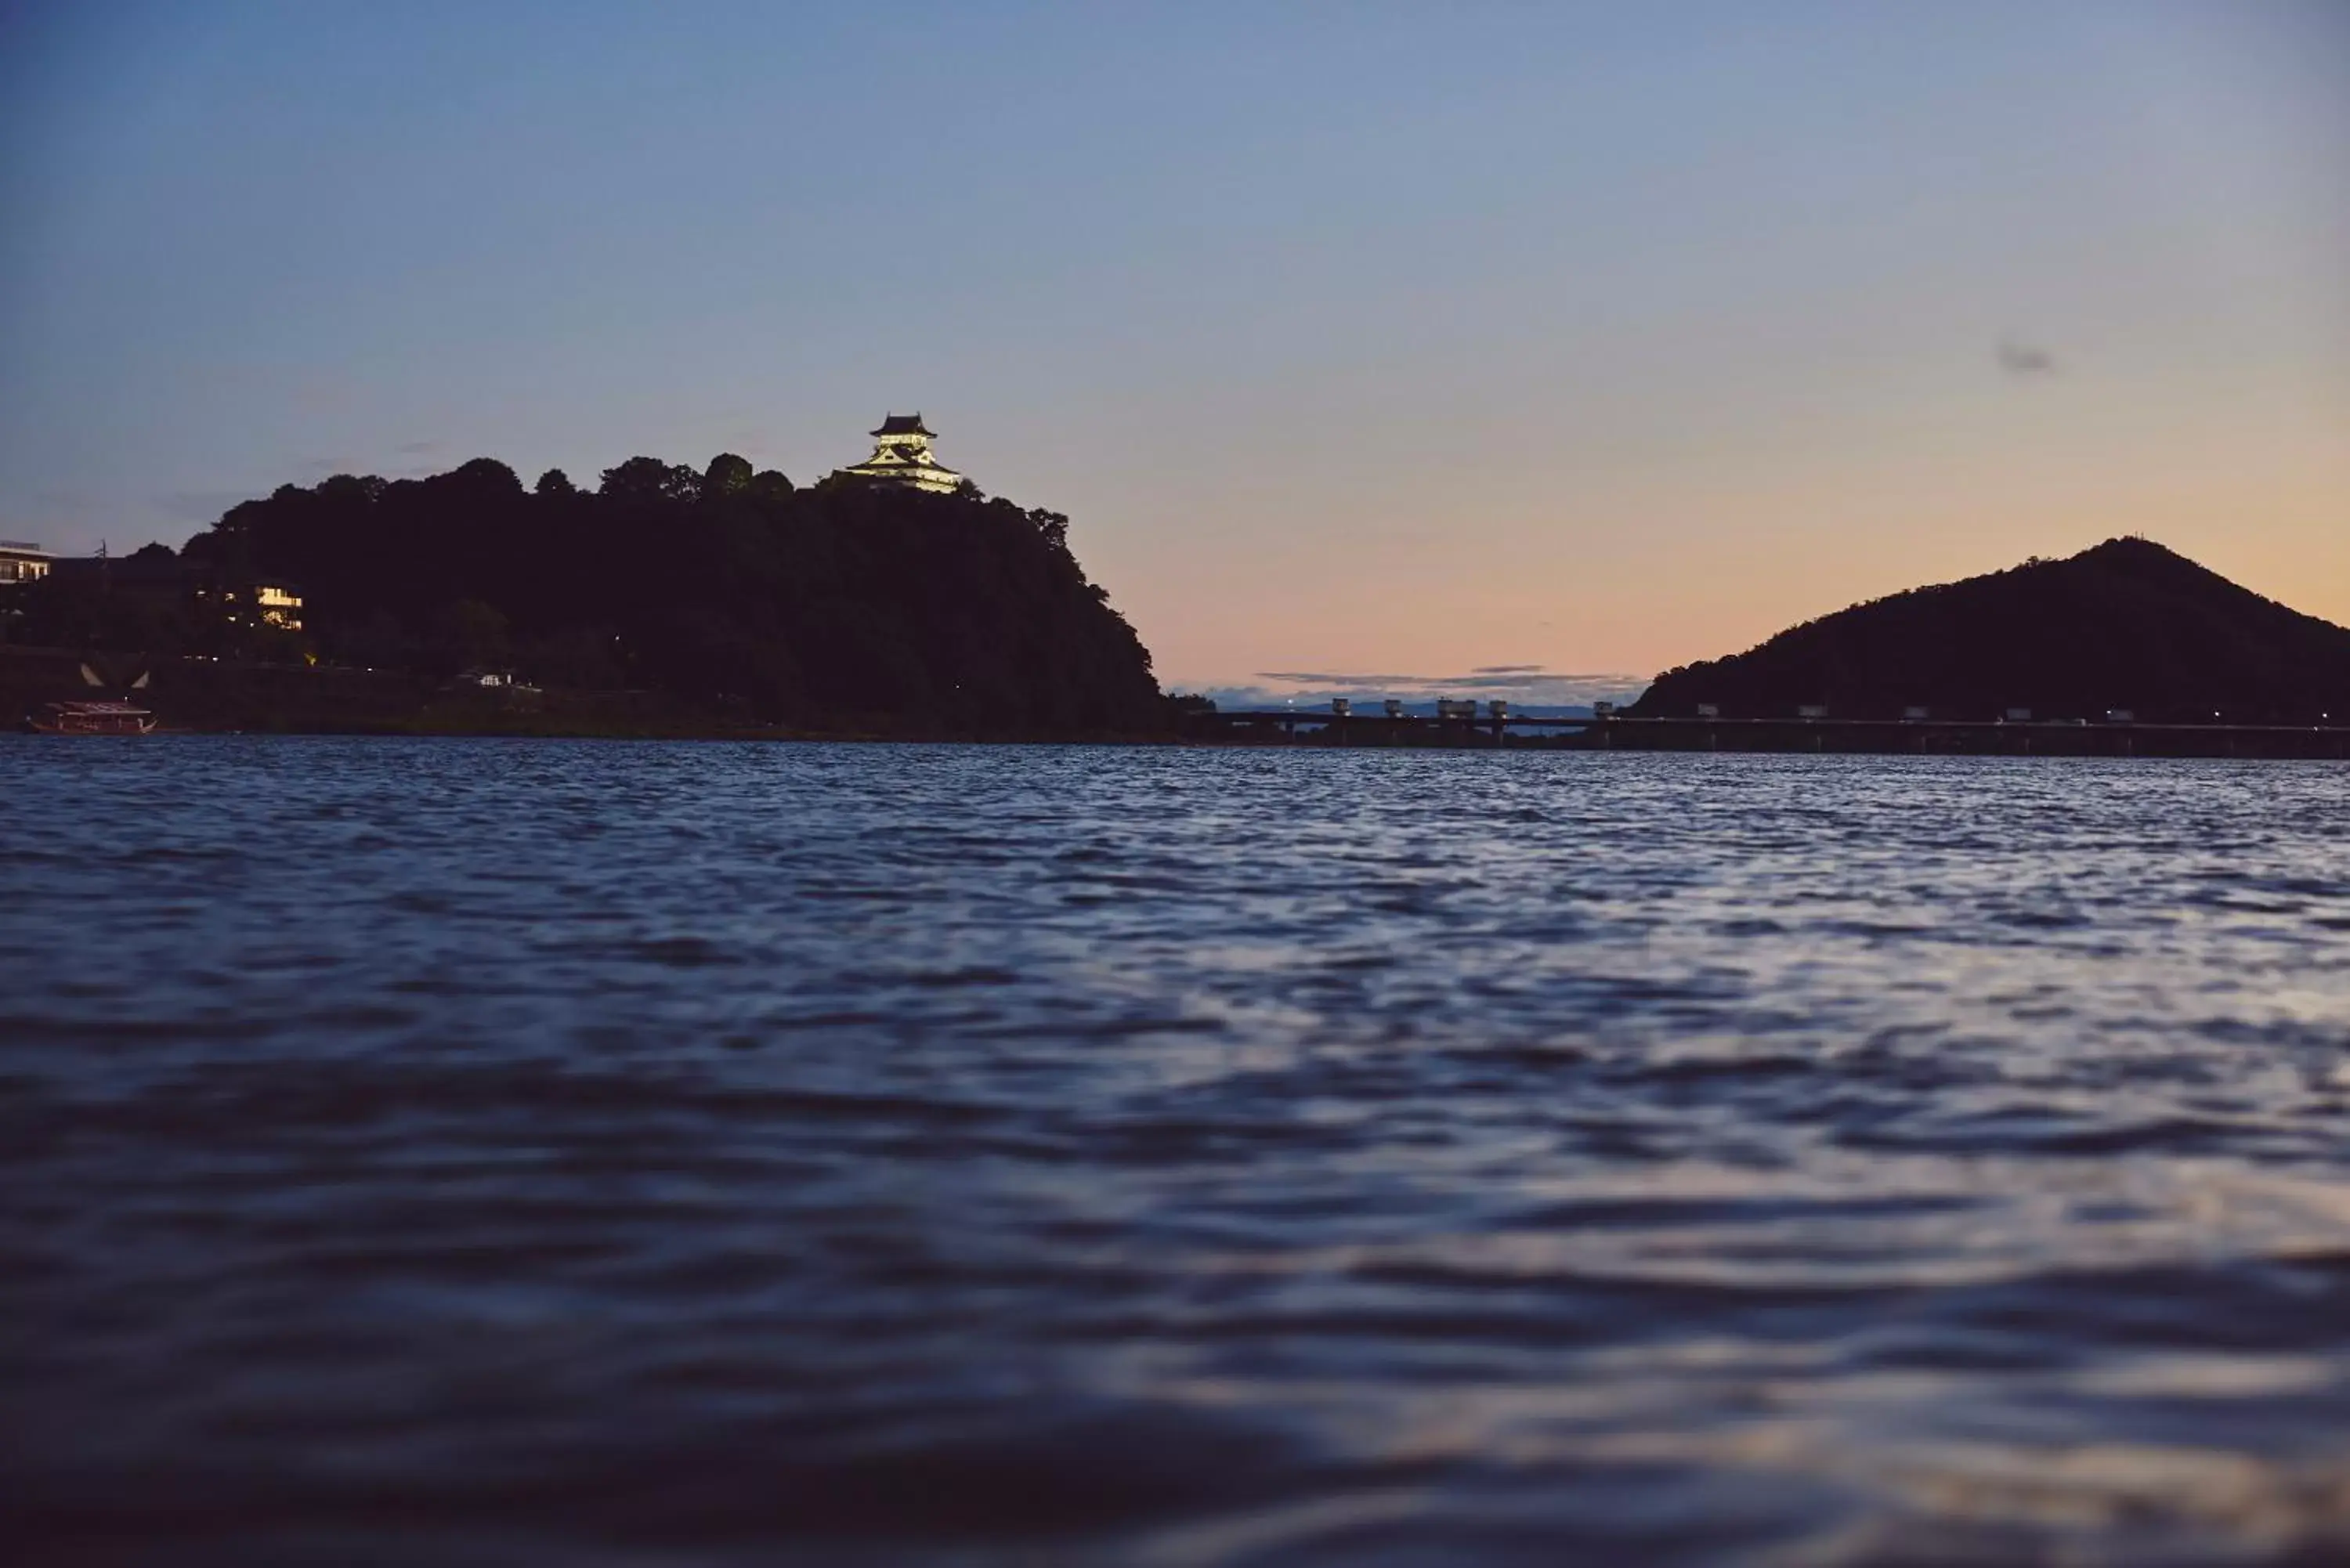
[[491, 1152]]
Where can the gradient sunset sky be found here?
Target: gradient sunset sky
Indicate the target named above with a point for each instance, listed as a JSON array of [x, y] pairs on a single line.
[[1376, 340]]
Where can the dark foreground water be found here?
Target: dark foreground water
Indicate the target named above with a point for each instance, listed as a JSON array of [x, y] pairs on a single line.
[[496, 1152]]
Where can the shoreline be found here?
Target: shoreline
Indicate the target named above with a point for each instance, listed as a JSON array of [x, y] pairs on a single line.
[[190, 696], [2244, 744]]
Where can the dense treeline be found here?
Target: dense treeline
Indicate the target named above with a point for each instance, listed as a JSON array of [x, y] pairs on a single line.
[[2128, 625], [725, 589]]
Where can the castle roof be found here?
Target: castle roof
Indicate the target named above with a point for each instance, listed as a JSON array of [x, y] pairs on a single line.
[[903, 424]]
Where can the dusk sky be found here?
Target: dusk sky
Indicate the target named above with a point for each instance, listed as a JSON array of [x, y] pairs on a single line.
[[1372, 341]]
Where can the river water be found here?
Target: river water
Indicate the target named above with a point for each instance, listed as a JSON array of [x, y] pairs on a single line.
[[486, 1152]]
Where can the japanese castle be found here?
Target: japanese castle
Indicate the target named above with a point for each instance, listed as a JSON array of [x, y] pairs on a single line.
[[901, 455]]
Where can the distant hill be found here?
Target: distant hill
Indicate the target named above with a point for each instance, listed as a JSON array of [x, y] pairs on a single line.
[[2126, 625], [719, 592]]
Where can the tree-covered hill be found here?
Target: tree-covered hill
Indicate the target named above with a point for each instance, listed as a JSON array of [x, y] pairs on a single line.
[[725, 589], [2127, 624]]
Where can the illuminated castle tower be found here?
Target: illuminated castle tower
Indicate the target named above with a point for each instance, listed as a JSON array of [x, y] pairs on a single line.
[[901, 455]]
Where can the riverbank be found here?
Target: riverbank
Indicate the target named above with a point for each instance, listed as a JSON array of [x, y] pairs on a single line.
[[216, 697], [219, 697]]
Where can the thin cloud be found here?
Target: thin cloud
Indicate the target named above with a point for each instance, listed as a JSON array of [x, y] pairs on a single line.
[[1333, 678], [2024, 360], [1481, 678], [1528, 686], [416, 448]]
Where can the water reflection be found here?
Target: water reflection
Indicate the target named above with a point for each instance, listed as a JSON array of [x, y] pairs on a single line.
[[690, 1154]]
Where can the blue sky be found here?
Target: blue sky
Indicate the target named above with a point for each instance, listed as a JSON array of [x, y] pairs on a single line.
[[1353, 337]]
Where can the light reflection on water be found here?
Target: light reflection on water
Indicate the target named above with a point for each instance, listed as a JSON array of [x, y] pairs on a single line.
[[681, 1154]]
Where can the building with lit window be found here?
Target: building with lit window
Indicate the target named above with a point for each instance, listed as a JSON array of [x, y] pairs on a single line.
[[239, 603], [901, 455], [164, 580], [21, 562], [278, 605]]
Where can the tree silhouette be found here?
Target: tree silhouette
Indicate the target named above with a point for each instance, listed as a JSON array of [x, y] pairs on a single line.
[[649, 479], [727, 589], [726, 475]]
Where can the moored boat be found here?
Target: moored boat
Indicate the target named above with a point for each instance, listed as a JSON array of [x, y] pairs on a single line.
[[91, 719]]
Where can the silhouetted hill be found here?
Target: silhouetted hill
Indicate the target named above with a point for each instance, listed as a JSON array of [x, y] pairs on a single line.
[[2126, 625], [724, 592]]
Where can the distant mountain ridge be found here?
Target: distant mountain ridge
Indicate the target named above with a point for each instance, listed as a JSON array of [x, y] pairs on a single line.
[[2127, 624]]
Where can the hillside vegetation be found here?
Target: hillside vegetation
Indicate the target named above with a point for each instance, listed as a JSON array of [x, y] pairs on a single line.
[[724, 590], [2127, 624]]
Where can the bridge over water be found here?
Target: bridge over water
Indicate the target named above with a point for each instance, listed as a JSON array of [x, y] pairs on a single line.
[[1611, 731]]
